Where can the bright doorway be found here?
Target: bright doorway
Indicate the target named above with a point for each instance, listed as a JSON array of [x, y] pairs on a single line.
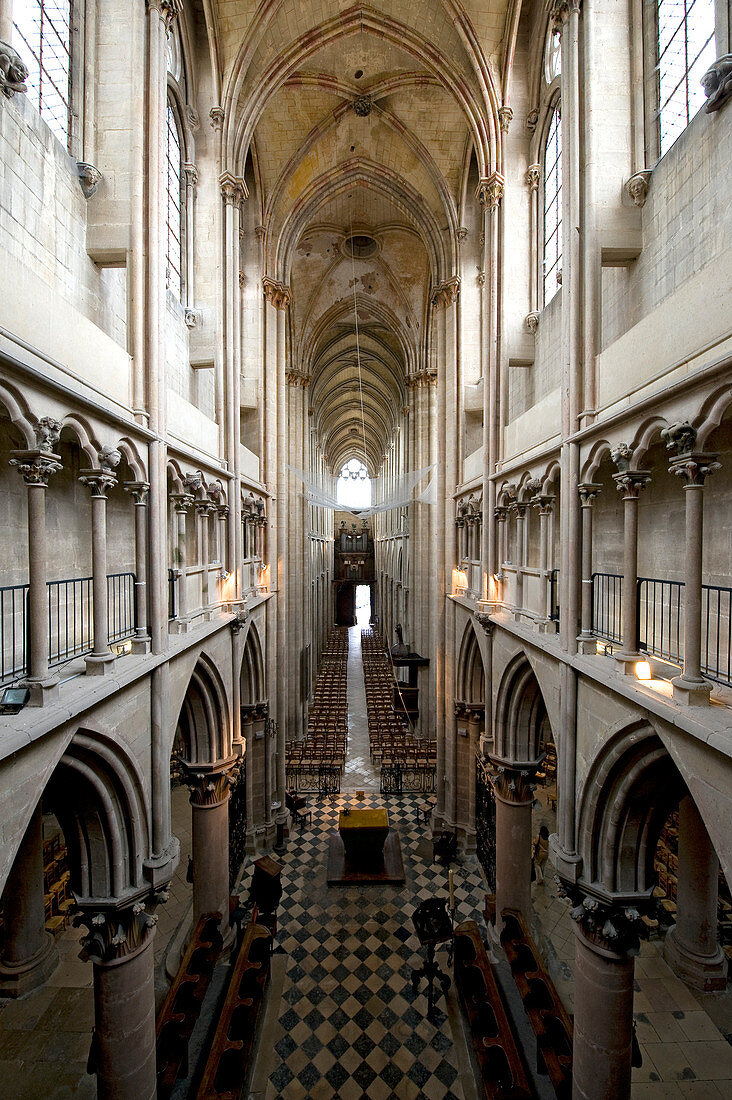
[[363, 605]]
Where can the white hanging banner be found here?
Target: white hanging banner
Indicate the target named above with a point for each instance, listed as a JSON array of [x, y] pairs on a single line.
[[400, 497]]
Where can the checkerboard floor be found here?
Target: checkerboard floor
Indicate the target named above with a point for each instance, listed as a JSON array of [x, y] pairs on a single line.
[[348, 1025]]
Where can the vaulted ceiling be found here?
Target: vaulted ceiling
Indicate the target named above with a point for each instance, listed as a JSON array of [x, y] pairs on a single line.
[[360, 121]]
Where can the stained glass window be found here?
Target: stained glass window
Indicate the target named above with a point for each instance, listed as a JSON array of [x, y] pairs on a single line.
[[553, 207], [686, 49], [42, 37]]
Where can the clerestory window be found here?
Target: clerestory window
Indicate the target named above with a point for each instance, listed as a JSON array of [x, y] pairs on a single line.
[[174, 213], [42, 37], [552, 175], [685, 50]]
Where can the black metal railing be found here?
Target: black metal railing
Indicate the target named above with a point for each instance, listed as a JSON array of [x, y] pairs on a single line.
[[659, 627], [554, 595], [70, 620], [172, 575]]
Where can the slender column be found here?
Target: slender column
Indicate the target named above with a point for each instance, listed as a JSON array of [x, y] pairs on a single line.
[[519, 508], [486, 741], [36, 467], [99, 481], [203, 511], [691, 947], [29, 953], [545, 506], [190, 174], [6, 20], [182, 502], [693, 467], [222, 519], [210, 792], [500, 515], [123, 1045], [514, 799], [533, 176], [588, 491], [476, 721], [629, 483], [139, 490], [605, 944]]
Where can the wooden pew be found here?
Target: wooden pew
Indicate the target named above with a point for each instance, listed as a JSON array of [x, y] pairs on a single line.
[[229, 1060], [502, 1071], [547, 1015], [182, 1005]]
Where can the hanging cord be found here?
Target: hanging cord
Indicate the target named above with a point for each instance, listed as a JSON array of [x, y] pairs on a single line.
[[358, 345]]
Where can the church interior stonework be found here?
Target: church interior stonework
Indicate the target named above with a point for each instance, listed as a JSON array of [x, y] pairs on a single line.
[[365, 549]]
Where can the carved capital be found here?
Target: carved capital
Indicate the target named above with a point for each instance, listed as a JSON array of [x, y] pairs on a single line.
[[233, 189], [89, 178], [216, 116], [630, 483], [513, 784], [239, 621], [545, 504], [191, 174], [694, 467], [204, 507], [505, 115], [532, 120], [99, 481], [680, 437], [446, 294], [181, 502], [500, 513], [36, 466], [277, 294], [223, 511], [533, 175], [297, 378], [193, 119], [363, 105], [611, 925], [560, 11], [209, 786], [532, 321], [717, 83], [138, 490], [637, 186], [489, 192], [115, 934], [462, 233], [170, 10], [485, 622], [588, 490]]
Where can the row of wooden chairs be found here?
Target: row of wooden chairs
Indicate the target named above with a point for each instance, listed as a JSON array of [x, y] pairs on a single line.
[[389, 739], [327, 734]]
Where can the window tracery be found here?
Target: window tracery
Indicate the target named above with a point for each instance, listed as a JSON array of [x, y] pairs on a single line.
[[42, 37], [685, 50], [552, 243], [174, 200]]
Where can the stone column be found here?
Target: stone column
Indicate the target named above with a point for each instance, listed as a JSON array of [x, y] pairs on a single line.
[[29, 953], [514, 793], [210, 791], [519, 508], [203, 511], [533, 176], [629, 483], [182, 502], [691, 947], [500, 515], [35, 467], [606, 941], [6, 20], [99, 481], [693, 467], [222, 515], [587, 492], [139, 491], [123, 1045], [545, 505], [476, 719]]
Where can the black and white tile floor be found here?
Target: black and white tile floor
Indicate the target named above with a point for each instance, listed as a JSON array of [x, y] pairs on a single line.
[[347, 1023]]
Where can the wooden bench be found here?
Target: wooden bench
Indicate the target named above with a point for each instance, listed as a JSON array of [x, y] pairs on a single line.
[[547, 1015], [229, 1060], [502, 1071], [182, 1005]]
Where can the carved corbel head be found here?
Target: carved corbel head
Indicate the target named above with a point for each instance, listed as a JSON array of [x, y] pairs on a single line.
[[109, 458]]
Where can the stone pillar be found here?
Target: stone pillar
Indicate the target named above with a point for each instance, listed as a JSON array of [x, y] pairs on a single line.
[[222, 515], [605, 942], [586, 641], [139, 491], [35, 467], [693, 467], [545, 504], [6, 20], [203, 511], [500, 515], [691, 948], [476, 721], [629, 483], [29, 953], [182, 502], [123, 1044], [210, 791], [519, 508], [514, 793], [99, 481]]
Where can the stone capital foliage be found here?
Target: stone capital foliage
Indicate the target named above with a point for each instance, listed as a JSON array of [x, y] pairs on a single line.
[[116, 934], [277, 294], [209, 787], [630, 483], [138, 490], [514, 784], [483, 620], [694, 468], [99, 481], [489, 192], [613, 926], [36, 466], [446, 294]]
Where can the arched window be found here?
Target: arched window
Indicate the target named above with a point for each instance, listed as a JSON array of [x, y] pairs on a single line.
[[42, 37], [552, 175], [174, 213], [353, 488], [686, 49]]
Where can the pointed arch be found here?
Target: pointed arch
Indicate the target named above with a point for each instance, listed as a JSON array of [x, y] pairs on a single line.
[[203, 730], [470, 687], [521, 713], [251, 674]]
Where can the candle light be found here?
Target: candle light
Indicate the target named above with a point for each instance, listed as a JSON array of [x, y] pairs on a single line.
[[452, 888]]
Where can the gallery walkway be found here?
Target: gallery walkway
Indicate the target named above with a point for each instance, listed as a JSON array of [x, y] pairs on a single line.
[[359, 773]]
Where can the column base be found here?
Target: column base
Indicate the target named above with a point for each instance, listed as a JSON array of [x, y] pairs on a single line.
[[141, 645], [707, 973], [547, 626], [99, 664], [587, 646], [42, 692], [179, 626], [15, 981], [568, 865], [691, 693], [628, 661]]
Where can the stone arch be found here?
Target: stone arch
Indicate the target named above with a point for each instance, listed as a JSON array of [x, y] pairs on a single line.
[[18, 413], [203, 731], [97, 795], [630, 789], [252, 670], [521, 713], [470, 686]]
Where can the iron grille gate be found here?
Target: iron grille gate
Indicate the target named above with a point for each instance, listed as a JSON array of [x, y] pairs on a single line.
[[237, 824], [485, 821]]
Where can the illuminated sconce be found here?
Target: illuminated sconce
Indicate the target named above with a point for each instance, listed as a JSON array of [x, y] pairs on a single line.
[[224, 574], [263, 579], [643, 670], [459, 582]]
